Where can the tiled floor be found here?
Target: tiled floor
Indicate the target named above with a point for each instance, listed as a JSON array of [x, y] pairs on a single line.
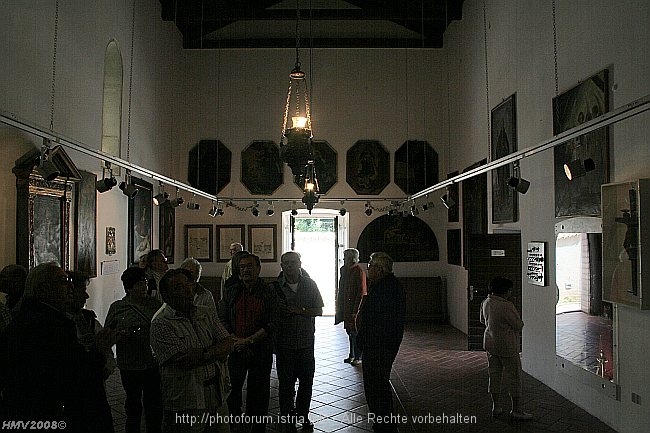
[[435, 379]]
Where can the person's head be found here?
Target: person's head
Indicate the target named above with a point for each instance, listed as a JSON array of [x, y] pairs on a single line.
[[290, 263], [249, 268], [379, 265], [235, 247], [142, 262], [194, 266], [235, 261], [80, 283], [501, 286], [12, 282], [49, 283], [177, 289], [134, 281], [350, 256], [156, 261]]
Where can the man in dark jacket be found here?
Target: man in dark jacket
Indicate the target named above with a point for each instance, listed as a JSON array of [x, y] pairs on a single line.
[[246, 308], [380, 332]]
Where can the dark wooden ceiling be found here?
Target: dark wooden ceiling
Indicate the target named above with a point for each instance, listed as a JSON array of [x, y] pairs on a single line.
[[213, 24]]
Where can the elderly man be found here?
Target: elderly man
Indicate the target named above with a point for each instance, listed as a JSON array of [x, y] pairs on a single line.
[[50, 376], [352, 289], [192, 349], [298, 303], [155, 266], [202, 296], [235, 247], [380, 333], [247, 308]]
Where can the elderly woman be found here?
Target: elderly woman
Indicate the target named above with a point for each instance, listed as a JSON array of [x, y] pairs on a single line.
[[131, 318]]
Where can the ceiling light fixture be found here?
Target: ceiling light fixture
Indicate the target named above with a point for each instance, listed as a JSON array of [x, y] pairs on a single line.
[[296, 140], [310, 190]]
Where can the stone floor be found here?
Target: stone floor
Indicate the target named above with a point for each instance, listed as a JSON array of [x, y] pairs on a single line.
[[435, 380]]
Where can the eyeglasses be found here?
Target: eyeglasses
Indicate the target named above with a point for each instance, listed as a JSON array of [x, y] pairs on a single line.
[[64, 280]]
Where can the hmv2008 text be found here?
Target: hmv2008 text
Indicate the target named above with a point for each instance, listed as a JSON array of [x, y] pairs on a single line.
[[33, 425]]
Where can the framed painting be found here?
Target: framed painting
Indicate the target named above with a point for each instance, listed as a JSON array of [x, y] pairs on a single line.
[[587, 100], [110, 241], [263, 241], [167, 231], [140, 221], [85, 223], [49, 216], [416, 166], [325, 161], [226, 235], [367, 165], [198, 242], [503, 140], [261, 168]]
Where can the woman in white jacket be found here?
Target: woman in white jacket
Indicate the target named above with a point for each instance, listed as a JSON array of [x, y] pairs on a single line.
[[501, 341]]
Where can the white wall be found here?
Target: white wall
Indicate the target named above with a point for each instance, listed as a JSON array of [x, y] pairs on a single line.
[[590, 36]]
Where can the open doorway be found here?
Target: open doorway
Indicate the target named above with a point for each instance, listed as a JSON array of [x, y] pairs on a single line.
[[320, 238]]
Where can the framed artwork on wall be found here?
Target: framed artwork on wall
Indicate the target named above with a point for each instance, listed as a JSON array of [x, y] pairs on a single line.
[[85, 223], [226, 235], [367, 165], [584, 102], [49, 219], [503, 139], [140, 221], [110, 241], [198, 242], [262, 241], [167, 231]]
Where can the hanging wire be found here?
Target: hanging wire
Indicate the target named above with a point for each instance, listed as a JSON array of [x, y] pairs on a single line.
[[448, 98], [128, 123], [487, 81], [555, 47], [56, 37]]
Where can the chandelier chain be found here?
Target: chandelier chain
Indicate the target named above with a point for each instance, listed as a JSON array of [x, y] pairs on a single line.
[[56, 37], [297, 33]]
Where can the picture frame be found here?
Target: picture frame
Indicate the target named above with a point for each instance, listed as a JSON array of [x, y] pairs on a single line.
[[110, 241], [263, 241], [585, 101], [49, 223], [503, 139], [85, 223], [167, 231], [198, 242], [140, 221], [226, 235], [367, 169]]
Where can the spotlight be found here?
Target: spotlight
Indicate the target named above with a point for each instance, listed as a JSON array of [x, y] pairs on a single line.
[[447, 201], [270, 211], [368, 210], [414, 210], [294, 212], [519, 184], [176, 202], [215, 211], [343, 210], [105, 184], [127, 187], [578, 168], [255, 210], [46, 167], [192, 205], [161, 198]]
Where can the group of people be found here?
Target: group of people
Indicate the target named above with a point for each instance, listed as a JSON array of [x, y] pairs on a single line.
[[184, 358]]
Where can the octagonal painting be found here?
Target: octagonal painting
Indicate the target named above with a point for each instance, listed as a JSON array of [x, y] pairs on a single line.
[[209, 166], [416, 166], [261, 168], [326, 165], [367, 167]]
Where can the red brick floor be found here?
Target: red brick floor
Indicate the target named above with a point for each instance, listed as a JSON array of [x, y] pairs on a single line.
[[434, 379]]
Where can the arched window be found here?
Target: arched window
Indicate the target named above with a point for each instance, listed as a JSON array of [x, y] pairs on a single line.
[[112, 106]]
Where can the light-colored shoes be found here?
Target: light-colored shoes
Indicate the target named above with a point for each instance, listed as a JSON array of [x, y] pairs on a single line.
[[521, 416]]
